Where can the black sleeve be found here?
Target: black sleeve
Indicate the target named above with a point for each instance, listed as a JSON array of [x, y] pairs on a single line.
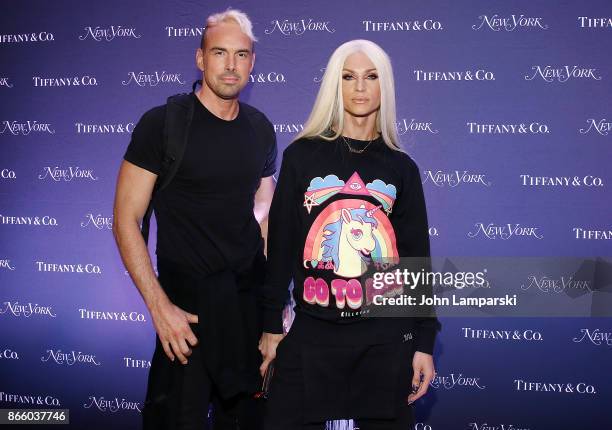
[[281, 247], [270, 167], [146, 146], [412, 235]]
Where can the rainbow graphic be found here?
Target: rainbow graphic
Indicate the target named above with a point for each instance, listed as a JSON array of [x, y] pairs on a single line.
[[321, 189], [384, 233]]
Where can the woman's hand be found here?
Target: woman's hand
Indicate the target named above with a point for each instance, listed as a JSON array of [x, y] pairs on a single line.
[[267, 347], [423, 367]]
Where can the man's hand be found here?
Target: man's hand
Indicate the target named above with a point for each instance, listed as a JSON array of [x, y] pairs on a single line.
[[267, 347], [423, 366], [172, 326]]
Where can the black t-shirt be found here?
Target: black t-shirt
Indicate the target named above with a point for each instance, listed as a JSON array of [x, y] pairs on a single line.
[[205, 218]]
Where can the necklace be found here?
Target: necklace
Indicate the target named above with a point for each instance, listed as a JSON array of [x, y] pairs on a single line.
[[356, 151]]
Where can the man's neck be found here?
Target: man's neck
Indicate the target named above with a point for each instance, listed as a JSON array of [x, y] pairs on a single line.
[[226, 109]]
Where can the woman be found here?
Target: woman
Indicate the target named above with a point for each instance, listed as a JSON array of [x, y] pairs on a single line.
[[347, 196]]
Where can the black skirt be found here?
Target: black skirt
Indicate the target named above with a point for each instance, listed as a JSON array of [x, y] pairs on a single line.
[[317, 381]]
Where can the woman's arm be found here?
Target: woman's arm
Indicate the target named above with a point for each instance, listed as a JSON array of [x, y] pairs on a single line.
[[412, 233], [281, 260], [413, 242]]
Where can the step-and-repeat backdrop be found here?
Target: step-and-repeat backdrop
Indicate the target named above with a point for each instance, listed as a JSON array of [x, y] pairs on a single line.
[[504, 105]]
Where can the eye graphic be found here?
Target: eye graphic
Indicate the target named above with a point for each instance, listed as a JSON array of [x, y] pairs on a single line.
[[355, 186], [357, 233]]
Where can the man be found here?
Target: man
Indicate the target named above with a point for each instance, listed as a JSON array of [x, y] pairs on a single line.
[[209, 243]]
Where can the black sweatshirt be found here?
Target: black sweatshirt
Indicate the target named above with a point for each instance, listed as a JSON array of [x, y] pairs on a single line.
[[334, 212]]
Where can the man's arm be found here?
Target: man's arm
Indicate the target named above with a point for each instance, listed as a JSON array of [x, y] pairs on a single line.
[[133, 193], [263, 200]]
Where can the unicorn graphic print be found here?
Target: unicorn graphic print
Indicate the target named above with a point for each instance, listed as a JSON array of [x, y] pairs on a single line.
[[349, 234], [349, 242]]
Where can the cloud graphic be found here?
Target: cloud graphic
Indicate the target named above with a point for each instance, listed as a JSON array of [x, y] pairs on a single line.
[[329, 181], [380, 186]]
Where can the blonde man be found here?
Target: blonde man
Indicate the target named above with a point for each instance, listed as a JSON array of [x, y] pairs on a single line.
[[209, 243]]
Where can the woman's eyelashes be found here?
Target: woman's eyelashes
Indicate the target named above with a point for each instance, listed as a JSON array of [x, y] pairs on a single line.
[[371, 76]]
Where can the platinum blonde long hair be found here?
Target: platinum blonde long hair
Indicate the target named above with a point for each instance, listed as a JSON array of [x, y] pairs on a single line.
[[328, 110]]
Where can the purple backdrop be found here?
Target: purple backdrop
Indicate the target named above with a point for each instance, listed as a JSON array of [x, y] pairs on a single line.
[[505, 106]]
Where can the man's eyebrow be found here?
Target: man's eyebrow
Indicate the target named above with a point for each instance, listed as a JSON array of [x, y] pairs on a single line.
[[218, 48]]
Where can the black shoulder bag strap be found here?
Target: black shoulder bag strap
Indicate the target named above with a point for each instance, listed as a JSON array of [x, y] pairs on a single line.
[[179, 114]]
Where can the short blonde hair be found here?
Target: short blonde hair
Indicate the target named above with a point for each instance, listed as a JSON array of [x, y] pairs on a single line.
[[230, 15], [328, 110]]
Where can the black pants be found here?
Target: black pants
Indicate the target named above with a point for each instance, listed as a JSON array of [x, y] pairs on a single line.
[[178, 397], [287, 398]]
